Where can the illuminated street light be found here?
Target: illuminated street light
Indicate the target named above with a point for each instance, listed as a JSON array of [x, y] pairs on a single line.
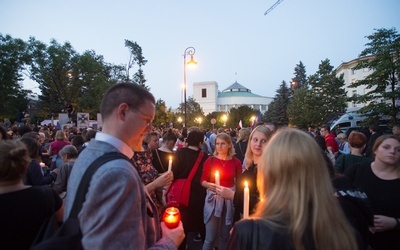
[[188, 51], [180, 120], [224, 119], [199, 120]]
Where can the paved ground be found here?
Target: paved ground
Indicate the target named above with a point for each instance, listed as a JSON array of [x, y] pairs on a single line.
[[191, 244]]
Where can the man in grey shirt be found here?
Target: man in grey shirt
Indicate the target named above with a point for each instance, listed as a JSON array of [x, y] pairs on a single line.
[[118, 212]]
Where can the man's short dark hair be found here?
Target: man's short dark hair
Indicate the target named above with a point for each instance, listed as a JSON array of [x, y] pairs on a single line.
[[130, 93]]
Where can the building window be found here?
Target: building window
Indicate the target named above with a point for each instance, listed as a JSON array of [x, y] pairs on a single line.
[[353, 71], [203, 93]]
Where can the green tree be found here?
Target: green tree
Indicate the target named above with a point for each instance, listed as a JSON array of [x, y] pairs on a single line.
[[163, 116], [193, 111], [136, 57], [329, 91], [277, 110], [242, 113], [300, 77], [13, 57], [302, 109], [52, 68], [214, 115], [382, 56], [94, 76]]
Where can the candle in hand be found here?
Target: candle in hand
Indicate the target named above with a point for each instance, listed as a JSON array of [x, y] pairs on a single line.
[[42, 164], [217, 178], [246, 201], [171, 217], [170, 164]]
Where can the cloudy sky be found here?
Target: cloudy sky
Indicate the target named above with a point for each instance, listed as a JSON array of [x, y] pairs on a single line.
[[234, 40]]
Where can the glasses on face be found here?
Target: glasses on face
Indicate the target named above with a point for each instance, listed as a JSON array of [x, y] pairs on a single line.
[[148, 119]]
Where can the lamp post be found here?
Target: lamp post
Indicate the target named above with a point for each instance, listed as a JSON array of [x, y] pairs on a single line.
[[188, 51]]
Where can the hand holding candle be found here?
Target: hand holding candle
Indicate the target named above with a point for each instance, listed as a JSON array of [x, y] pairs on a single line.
[[170, 164], [246, 201], [217, 178], [171, 217]]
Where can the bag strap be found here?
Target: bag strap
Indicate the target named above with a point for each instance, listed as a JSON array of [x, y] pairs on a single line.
[[87, 177], [196, 166]]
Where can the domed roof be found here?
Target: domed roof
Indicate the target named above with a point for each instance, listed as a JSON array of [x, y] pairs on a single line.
[[236, 89]]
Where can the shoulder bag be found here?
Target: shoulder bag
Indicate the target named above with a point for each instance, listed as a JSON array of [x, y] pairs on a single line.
[[69, 235], [179, 191]]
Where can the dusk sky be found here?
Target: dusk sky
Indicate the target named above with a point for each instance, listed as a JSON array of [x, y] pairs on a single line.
[[234, 40]]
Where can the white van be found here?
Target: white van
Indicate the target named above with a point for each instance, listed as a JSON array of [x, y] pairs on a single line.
[[347, 120]]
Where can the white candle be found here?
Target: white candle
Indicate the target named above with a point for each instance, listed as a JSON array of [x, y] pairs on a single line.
[[217, 178], [246, 201], [170, 164]]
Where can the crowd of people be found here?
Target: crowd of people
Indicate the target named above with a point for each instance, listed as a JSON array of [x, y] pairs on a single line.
[[306, 189]]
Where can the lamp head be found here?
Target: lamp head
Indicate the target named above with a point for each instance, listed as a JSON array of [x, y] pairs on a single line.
[[192, 61]]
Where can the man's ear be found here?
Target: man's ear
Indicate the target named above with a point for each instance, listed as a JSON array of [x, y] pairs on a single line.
[[122, 110]]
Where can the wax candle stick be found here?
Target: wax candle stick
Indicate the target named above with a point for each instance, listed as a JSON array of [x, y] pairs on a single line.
[[246, 201], [217, 178], [170, 164]]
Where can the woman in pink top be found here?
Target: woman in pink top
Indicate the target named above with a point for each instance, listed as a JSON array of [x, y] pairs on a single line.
[[55, 148], [218, 212]]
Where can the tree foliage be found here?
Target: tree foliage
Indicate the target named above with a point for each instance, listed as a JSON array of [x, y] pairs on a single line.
[[322, 95], [64, 76], [136, 57], [13, 57], [302, 109], [382, 56], [163, 115], [300, 77], [329, 91], [193, 111], [277, 110], [242, 113]]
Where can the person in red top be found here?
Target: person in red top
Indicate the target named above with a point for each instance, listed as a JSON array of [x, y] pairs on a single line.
[[55, 148], [219, 212], [330, 140]]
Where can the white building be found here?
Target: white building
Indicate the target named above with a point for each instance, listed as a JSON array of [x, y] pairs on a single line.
[[211, 99], [350, 76]]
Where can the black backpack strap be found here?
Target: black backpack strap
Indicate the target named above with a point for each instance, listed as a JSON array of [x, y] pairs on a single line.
[[87, 177]]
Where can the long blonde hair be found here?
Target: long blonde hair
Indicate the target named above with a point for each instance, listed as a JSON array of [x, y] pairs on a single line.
[[249, 154], [295, 189]]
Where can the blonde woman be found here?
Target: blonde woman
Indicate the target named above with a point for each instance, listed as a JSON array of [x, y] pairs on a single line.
[[258, 140], [297, 208], [218, 212]]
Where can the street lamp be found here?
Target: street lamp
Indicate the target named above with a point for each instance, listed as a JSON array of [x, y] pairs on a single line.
[[188, 51], [199, 120], [224, 118], [180, 120]]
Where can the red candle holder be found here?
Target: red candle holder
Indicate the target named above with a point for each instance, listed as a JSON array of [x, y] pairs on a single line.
[[171, 217]]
